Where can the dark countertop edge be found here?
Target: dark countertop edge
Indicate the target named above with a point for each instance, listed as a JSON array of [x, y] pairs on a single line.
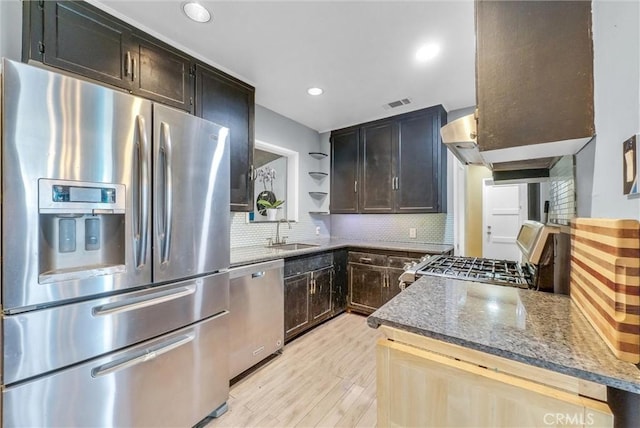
[[375, 322], [328, 246]]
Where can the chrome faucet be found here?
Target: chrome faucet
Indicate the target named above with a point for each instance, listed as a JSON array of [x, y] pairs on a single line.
[[284, 238]]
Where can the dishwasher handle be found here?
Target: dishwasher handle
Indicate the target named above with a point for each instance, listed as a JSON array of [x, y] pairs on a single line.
[[256, 270]]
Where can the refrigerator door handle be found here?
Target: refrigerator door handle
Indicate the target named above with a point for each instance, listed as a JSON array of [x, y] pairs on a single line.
[[143, 301], [142, 355], [165, 219], [141, 196]]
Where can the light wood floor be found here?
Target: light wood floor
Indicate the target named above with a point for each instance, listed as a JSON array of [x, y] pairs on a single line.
[[325, 378]]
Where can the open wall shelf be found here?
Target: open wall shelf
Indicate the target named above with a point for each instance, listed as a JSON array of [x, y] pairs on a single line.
[[318, 175], [318, 155], [318, 194], [319, 197]]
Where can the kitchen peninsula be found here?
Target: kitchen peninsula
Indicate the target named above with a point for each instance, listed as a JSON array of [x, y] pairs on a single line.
[[524, 353]]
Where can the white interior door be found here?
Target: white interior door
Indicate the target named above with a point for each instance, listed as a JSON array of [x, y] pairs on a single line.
[[503, 208]]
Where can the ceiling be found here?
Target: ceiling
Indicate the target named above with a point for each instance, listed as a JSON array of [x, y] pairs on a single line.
[[361, 53]]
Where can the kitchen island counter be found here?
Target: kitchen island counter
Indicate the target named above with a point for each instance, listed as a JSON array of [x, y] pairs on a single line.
[[247, 255], [531, 327]]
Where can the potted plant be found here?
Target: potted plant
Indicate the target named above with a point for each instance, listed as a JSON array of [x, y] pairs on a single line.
[[271, 207]]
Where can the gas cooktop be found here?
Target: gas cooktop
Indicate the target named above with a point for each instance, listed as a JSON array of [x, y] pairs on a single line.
[[498, 272]]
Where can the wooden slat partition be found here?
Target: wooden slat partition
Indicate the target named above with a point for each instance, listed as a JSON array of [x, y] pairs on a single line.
[[605, 280]]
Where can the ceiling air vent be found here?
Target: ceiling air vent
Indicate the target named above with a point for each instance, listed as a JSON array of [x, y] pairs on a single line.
[[399, 103]]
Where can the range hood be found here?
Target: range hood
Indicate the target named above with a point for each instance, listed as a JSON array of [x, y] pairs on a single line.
[[460, 138], [520, 164]]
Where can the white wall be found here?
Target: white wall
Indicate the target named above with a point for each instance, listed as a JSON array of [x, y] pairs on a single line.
[[616, 39], [11, 29]]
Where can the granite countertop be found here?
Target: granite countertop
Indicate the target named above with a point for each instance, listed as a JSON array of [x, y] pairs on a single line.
[[246, 255], [541, 329]]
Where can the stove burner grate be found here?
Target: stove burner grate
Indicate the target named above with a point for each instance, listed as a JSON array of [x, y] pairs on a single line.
[[500, 272]]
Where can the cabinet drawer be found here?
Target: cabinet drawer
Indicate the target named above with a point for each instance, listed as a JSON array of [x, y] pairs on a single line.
[[399, 262], [297, 266], [367, 258]]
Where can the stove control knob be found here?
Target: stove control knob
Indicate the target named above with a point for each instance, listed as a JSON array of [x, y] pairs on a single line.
[[409, 265]]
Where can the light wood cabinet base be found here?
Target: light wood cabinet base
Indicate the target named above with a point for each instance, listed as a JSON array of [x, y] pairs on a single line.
[[417, 387]]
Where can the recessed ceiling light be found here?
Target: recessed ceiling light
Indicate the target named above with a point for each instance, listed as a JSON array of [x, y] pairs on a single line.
[[315, 91], [427, 52], [196, 12]]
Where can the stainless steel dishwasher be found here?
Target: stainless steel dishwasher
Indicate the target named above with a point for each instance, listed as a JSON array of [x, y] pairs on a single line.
[[257, 314]]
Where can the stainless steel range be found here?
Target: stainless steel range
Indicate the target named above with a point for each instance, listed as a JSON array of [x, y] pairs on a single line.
[[532, 241]]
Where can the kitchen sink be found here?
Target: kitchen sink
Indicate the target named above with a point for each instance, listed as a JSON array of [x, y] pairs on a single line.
[[292, 246]]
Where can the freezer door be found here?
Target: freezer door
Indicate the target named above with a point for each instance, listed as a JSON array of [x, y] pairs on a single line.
[[190, 194], [60, 128], [99, 326], [172, 381]]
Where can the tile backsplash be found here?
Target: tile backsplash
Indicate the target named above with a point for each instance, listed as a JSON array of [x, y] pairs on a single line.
[[562, 191], [430, 228], [245, 234]]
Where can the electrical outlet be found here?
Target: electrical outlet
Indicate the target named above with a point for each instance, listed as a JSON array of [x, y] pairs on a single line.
[[317, 230], [412, 233]]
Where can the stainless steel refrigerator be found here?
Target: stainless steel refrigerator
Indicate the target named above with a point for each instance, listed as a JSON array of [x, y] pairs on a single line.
[[115, 250]]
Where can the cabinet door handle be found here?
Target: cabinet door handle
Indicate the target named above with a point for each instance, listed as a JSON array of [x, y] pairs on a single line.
[[355, 186], [312, 284], [397, 183], [365, 260], [133, 69], [127, 63]]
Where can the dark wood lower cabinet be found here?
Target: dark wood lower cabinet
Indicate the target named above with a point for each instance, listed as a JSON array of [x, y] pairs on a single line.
[[373, 278], [321, 284], [296, 304], [393, 288], [309, 293], [365, 286]]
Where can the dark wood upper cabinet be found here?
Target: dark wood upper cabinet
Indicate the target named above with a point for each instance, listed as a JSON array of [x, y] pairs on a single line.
[[534, 72], [229, 102], [161, 74], [344, 171], [79, 38], [82, 39], [421, 163], [377, 148], [400, 165]]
